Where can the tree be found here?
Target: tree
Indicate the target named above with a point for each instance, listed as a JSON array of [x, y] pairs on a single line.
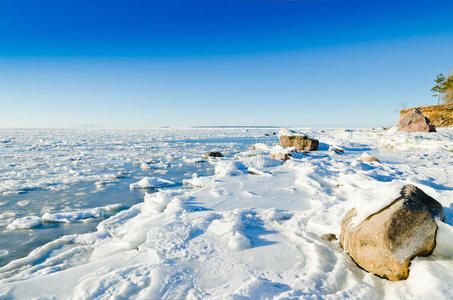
[[440, 87], [447, 92]]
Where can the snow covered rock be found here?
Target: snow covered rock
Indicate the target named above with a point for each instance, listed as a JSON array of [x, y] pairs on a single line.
[[415, 121], [368, 158], [336, 149], [289, 138], [281, 156], [385, 242]]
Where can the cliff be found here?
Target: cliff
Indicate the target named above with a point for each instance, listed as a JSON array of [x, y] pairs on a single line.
[[439, 115]]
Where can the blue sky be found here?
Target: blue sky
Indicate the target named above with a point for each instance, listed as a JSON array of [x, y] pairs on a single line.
[[180, 63]]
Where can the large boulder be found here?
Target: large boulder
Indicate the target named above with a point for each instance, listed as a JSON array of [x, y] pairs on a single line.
[[385, 242], [415, 121], [289, 138], [439, 115]]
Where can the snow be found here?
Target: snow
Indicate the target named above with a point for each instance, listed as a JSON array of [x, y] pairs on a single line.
[[289, 132], [230, 168], [150, 182], [250, 231]]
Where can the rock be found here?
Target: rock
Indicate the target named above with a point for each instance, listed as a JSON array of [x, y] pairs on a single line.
[[252, 147], [415, 121], [439, 115], [385, 242], [281, 156], [213, 154], [329, 237], [299, 141], [336, 149], [368, 158]]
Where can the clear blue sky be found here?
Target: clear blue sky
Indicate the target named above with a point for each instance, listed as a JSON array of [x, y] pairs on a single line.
[[181, 63]]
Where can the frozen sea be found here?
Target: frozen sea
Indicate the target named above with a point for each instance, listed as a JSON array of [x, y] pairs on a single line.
[[74, 225], [54, 171]]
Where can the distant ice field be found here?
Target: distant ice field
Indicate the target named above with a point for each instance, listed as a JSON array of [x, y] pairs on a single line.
[[49, 171], [98, 214]]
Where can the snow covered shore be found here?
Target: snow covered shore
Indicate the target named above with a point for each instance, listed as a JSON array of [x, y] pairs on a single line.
[[253, 229]]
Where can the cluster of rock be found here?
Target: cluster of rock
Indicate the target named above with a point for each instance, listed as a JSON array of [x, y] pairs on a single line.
[[386, 242]]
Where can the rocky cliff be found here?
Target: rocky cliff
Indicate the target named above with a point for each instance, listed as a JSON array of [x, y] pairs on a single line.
[[439, 115]]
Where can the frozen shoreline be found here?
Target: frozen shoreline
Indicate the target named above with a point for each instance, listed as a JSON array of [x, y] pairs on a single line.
[[241, 234]]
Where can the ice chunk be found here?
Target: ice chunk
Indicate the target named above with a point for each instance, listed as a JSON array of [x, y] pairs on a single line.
[[150, 182], [230, 168], [71, 216], [25, 223]]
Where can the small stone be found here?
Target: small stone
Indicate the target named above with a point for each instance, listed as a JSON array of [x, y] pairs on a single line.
[[214, 154], [281, 156], [336, 149], [329, 237]]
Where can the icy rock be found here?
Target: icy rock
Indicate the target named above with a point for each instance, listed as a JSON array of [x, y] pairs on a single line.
[[386, 242], [415, 121], [289, 138]]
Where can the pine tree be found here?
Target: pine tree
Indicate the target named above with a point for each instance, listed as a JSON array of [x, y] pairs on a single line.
[[448, 89], [440, 87]]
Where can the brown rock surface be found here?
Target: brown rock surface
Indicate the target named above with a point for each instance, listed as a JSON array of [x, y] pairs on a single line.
[[415, 121], [300, 142], [385, 242], [439, 115], [329, 237]]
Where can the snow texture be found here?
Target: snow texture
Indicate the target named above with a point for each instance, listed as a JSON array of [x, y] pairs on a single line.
[[250, 231]]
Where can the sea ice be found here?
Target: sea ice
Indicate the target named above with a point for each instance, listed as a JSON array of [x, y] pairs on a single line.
[[25, 223], [252, 230], [150, 182]]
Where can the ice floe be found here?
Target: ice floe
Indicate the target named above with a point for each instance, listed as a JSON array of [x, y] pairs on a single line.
[[150, 182]]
